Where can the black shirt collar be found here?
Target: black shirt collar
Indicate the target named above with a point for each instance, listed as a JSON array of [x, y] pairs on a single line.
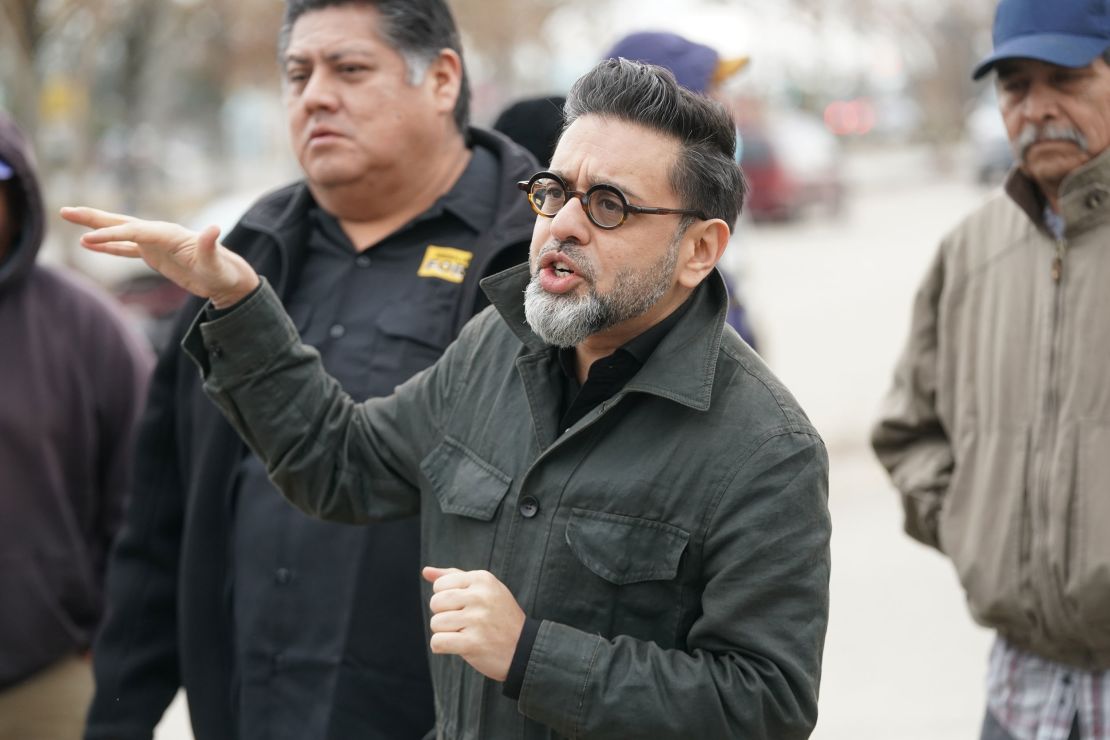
[[638, 349], [477, 214]]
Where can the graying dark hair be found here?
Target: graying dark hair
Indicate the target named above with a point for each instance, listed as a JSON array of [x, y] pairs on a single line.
[[705, 176], [418, 30]]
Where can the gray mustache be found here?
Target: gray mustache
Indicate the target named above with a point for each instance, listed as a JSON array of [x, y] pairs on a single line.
[[571, 249], [1031, 135]]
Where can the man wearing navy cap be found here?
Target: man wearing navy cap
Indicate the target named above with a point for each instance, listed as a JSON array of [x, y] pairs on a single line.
[[997, 429], [696, 66], [699, 69]]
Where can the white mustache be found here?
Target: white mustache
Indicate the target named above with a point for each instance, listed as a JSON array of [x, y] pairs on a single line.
[[1033, 134]]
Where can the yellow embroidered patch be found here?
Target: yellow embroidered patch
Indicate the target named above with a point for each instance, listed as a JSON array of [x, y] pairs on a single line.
[[445, 263]]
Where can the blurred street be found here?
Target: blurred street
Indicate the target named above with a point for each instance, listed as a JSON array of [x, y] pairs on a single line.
[[830, 298]]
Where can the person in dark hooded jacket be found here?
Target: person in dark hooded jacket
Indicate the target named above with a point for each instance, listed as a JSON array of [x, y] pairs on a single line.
[[72, 380]]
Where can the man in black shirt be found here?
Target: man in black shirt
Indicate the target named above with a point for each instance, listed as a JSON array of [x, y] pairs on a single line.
[[278, 625]]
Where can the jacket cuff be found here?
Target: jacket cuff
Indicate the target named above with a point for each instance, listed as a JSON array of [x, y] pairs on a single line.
[[514, 682], [212, 313], [243, 339], [558, 675]]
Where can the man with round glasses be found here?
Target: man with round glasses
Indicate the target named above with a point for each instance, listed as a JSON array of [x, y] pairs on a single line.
[[624, 513]]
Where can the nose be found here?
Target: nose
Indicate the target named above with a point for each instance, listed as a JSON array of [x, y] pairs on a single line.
[[319, 92], [1040, 104], [571, 222]]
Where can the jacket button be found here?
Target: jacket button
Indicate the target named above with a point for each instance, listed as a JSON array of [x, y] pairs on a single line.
[[337, 331], [363, 260], [283, 575], [215, 350], [529, 507], [1095, 199]]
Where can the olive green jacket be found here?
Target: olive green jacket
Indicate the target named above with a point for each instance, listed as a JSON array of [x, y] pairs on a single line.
[[997, 429], [674, 542]]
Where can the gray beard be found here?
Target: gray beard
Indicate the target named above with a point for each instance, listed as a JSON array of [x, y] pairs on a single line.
[[566, 320]]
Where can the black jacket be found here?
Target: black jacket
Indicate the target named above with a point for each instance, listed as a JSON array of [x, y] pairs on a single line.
[[169, 621]]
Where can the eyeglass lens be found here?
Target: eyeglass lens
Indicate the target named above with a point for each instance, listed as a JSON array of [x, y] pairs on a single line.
[[604, 207]]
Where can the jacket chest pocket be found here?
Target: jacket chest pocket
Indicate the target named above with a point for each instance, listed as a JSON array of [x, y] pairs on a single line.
[[619, 575], [469, 492]]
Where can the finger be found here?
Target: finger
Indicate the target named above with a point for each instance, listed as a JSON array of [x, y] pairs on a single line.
[[457, 579], [450, 643], [119, 249], [140, 232], [92, 217], [431, 573], [455, 598], [448, 621]]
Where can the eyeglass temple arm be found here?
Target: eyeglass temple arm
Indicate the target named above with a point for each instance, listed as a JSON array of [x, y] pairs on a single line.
[[667, 211]]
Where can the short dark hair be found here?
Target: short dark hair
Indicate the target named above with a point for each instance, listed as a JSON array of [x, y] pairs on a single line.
[[706, 176], [418, 30]]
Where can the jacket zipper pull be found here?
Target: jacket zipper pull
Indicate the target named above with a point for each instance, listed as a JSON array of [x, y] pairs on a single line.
[[1058, 262]]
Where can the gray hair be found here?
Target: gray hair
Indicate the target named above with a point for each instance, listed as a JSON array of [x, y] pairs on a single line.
[[705, 176], [418, 30]]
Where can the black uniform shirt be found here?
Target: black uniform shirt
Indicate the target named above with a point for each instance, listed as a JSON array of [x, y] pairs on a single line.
[[377, 316]]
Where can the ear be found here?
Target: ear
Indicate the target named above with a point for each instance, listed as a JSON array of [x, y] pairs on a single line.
[[444, 79], [703, 245]]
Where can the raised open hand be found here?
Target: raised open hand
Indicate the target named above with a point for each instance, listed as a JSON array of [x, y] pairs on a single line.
[[194, 260]]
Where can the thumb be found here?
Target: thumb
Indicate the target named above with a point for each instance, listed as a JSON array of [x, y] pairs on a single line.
[[432, 574], [206, 244]]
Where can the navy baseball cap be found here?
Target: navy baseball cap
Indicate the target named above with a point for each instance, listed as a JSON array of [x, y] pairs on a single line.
[[696, 66], [6, 172], [1069, 33]]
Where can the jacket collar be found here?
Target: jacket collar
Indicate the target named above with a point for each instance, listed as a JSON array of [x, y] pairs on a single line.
[[1084, 196], [682, 367]]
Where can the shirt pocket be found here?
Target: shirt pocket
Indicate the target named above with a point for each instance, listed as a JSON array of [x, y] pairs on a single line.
[[622, 576], [469, 491], [408, 339], [624, 549]]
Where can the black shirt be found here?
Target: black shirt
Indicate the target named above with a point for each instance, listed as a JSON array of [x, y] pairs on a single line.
[[314, 601]]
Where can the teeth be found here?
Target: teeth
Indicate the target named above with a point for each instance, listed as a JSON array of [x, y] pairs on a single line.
[[562, 267]]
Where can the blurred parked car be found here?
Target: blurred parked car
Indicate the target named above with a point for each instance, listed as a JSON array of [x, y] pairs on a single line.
[[992, 156], [793, 164]]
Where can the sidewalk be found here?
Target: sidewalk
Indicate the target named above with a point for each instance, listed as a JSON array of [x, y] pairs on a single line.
[[903, 660]]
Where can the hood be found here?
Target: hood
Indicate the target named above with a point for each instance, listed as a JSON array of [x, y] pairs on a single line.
[[27, 203]]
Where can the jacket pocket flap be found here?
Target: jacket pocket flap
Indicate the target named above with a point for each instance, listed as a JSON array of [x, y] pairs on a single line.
[[464, 483], [626, 549]]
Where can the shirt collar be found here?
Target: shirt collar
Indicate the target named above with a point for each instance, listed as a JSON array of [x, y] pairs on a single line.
[[480, 175], [639, 348], [477, 214]]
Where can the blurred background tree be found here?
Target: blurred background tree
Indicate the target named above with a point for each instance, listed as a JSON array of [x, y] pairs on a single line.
[[158, 106]]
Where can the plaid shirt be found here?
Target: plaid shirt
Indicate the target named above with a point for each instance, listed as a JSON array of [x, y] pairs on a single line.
[[1037, 699]]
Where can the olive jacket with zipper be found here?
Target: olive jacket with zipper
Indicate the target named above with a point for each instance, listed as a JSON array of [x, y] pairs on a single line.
[[997, 429], [674, 542]]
